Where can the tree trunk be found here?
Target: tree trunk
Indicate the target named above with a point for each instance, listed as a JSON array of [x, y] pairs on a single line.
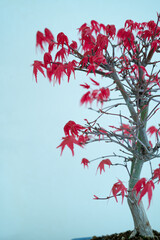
[[141, 223]]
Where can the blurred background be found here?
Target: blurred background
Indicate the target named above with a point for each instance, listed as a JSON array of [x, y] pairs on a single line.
[[42, 195]]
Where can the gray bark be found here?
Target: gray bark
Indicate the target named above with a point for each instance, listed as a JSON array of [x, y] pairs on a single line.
[[141, 222]]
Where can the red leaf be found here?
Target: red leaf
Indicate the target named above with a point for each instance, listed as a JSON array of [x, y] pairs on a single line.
[[68, 141], [59, 72], [40, 39], [50, 47], [111, 30], [156, 174], [95, 82], [85, 85], [103, 27], [152, 130], [62, 39], [119, 187], [47, 59], [91, 68], [99, 59], [50, 73], [70, 68], [86, 98], [82, 27], [143, 186], [61, 54], [95, 197], [72, 128], [102, 163], [102, 41], [48, 34], [126, 37], [37, 66], [85, 162], [147, 189], [95, 26], [139, 185], [82, 139], [103, 95], [73, 45]]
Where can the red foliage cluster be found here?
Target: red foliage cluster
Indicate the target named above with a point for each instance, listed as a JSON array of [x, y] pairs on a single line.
[[102, 163], [73, 135], [143, 186], [95, 59], [119, 187], [101, 95]]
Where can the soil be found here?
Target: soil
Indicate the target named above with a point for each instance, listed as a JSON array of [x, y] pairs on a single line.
[[125, 236]]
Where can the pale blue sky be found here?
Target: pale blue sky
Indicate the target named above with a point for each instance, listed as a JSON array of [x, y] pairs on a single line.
[[45, 196]]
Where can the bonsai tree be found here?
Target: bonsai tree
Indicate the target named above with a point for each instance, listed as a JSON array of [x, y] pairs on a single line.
[[127, 58]]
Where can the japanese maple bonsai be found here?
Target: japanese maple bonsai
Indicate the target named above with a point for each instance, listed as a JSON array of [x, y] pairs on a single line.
[[128, 57]]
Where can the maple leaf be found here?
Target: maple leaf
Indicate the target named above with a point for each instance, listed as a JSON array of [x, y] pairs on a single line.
[[146, 34], [82, 27], [50, 73], [95, 82], [72, 128], [95, 197], [95, 26], [119, 187], [139, 185], [129, 24], [94, 94], [84, 62], [103, 27], [102, 41], [99, 59], [70, 68], [61, 54], [82, 139], [143, 186], [155, 44], [85, 85], [87, 40], [126, 37], [151, 130], [59, 72], [86, 98], [91, 68], [51, 46], [85, 162], [37, 66], [103, 95], [40, 39], [147, 189], [102, 163], [62, 39], [73, 45], [156, 174], [111, 31], [69, 141], [48, 34], [47, 59]]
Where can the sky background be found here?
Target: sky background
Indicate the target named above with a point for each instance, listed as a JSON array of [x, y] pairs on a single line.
[[42, 195]]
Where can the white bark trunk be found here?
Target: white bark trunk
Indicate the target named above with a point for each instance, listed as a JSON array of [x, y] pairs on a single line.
[[141, 223]]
